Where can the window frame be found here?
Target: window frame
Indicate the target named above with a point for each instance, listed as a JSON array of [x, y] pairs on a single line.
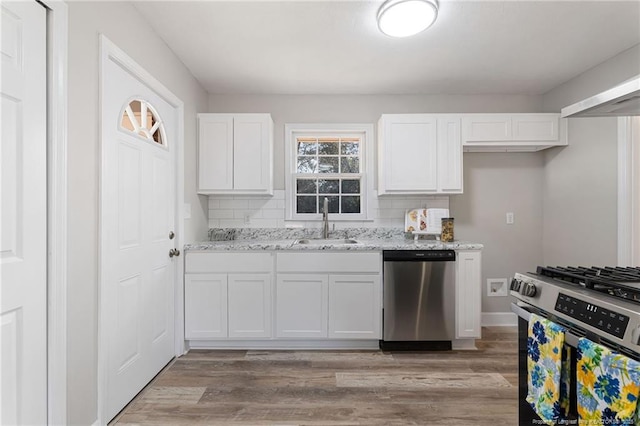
[[364, 131]]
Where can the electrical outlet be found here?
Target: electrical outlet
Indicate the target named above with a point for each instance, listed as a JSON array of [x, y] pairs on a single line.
[[496, 287], [247, 218], [510, 218]]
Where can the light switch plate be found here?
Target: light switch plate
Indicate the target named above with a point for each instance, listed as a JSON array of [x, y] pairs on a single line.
[[187, 211], [510, 218]]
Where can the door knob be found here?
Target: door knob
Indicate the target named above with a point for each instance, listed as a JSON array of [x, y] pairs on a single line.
[[172, 235], [174, 252]]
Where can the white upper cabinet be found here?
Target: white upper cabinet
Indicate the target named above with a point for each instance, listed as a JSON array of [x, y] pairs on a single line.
[[235, 154], [419, 154], [512, 132]]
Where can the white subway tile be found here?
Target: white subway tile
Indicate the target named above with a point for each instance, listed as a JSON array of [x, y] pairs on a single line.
[[234, 204], [241, 213], [263, 203], [390, 214], [264, 223], [214, 203], [385, 203], [273, 213], [221, 214], [231, 223]]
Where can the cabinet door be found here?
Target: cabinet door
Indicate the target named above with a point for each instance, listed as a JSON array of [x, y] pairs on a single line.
[[535, 127], [468, 294], [252, 153], [249, 307], [215, 152], [205, 306], [408, 154], [301, 305], [486, 128], [449, 155], [355, 309]]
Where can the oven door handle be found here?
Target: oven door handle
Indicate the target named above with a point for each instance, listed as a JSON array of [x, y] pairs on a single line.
[[569, 338]]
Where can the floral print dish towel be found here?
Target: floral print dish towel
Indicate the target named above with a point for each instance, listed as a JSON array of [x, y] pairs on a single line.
[[548, 366], [608, 386]]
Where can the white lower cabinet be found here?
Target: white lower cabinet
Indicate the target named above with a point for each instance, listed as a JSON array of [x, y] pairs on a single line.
[[355, 307], [218, 306], [301, 305], [249, 305], [332, 295], [228, 295], [205, 306], [468, 294]]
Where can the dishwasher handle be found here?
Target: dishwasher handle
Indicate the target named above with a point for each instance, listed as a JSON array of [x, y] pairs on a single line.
[[419, 255]]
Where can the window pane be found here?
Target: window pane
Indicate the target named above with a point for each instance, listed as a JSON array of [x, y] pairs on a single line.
[[306, 204], [334, 204], [307, 165], [306, 186], [326, 186], [157, 136], [350, 164], [328, 148], [328, 165], [307, 147], [349, 148], [350, 186], [350, 204]]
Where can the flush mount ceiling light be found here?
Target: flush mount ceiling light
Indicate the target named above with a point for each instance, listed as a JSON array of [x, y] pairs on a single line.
[[403, 18]]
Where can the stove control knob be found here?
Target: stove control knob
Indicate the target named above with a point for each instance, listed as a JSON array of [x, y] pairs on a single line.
[[515, 285], [528, 289]]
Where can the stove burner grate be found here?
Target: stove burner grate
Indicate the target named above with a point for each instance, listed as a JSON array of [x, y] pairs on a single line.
[[621, 282]]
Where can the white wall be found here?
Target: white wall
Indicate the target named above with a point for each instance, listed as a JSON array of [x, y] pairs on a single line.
[[580, 182], [121, 23], [494, 182]]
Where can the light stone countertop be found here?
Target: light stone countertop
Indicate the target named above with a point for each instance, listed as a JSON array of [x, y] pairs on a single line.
[[362, 245]]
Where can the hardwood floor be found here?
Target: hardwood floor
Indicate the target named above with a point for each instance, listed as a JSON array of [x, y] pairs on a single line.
[[336, 388]]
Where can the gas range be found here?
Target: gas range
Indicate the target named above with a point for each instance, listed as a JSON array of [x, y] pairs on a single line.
[[600, 303]]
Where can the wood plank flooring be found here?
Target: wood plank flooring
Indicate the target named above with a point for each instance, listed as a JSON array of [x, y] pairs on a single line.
[[208, 387]]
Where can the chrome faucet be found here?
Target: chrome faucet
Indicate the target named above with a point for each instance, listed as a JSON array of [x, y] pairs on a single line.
[[325, 218]]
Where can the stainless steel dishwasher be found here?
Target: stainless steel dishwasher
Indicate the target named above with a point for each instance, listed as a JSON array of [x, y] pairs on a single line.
[[418, 292]]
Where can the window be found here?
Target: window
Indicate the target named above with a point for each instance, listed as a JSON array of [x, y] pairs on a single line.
[[327, 161], [140, 118]]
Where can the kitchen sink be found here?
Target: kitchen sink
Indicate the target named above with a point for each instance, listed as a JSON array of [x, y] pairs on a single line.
[[325, 241]]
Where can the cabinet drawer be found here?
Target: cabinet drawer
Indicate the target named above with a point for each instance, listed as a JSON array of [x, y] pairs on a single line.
[[228, 262], [340, 262], [484, 128], [535, 127]]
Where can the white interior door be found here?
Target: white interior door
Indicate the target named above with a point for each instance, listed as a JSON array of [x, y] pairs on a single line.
[[139, 134], [23, 214]]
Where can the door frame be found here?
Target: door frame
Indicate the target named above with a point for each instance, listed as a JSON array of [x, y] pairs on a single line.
[[111, 52], [57, 101], [628, 185]]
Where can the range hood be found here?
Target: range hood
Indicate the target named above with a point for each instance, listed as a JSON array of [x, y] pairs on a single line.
[[621, 101]]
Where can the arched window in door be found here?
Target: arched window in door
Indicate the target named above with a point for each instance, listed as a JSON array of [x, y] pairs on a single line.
[[141, 119]]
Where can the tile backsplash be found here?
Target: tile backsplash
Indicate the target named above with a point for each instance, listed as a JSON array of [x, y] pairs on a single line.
[[241, 211]]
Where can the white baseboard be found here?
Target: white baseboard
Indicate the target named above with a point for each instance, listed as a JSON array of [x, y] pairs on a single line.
[[494, 319], [275, 344], [464, 345]]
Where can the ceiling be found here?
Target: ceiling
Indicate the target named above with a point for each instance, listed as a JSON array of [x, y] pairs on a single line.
[[335, 47]]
